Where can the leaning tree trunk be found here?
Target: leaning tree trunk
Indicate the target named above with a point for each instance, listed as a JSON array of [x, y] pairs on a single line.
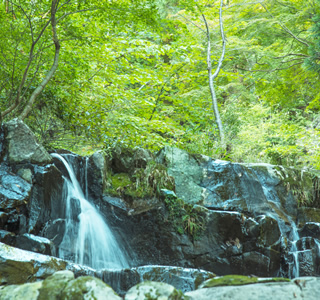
[[38, 90]]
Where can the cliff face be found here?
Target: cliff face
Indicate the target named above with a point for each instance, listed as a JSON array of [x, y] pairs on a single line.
[[223, 217]]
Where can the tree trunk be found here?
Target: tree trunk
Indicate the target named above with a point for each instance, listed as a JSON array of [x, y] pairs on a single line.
[[211, 76]]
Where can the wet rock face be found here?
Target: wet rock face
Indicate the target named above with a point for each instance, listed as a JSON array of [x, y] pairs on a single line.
[[232, 186], [231, 242], [30, 188], [14, 191], [184, 279]]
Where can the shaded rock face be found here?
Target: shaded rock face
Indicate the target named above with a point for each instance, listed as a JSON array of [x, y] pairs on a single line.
[[232, 186], [30, 189], [249, 222], [230, 243]]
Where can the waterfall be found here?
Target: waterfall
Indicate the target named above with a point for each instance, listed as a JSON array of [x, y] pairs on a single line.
[[292, 238], [87, 240], [294, 250]]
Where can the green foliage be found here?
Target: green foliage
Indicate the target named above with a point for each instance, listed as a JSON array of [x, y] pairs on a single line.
[[184, 217], [140, 78]]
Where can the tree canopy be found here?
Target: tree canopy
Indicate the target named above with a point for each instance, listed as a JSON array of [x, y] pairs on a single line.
[[134, 74]]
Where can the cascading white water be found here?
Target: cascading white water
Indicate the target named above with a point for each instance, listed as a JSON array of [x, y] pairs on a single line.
[[292, 238], [87, 235], [294, 250]]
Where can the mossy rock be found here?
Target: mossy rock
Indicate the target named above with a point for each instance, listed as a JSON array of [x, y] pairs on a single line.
[[53, 286], [28, 291], [88, 287], [151, 290], [231, 280]]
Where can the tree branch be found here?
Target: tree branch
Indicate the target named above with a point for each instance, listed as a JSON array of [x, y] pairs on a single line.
[[269, 70], [285, 28], [162, 89], [38, 90]]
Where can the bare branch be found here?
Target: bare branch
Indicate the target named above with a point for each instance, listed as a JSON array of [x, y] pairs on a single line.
[[270, 70], [162, 90], [292, 54], [285, 28], [194, 24], [75, 12]]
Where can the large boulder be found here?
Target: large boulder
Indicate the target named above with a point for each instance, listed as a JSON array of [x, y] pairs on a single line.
[[300, 288], [19, 266], [27, 291], [186, 171], [255, 188], [60, 285], [88, 287], [21, 145], [153, 290]]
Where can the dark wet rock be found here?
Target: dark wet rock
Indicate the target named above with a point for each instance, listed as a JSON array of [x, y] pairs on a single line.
[[7, 237], [183, 279], [75, 208], [54, 230], [34, 243], [311, 229], [233, 186], [14, 191], [21, 145], [269, 231], [95, 175], [3, 219], [228, 241], [46, 202]]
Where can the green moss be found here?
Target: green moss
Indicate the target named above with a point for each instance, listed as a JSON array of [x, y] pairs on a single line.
[[231, 280], [200, 279], [143, 183]]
